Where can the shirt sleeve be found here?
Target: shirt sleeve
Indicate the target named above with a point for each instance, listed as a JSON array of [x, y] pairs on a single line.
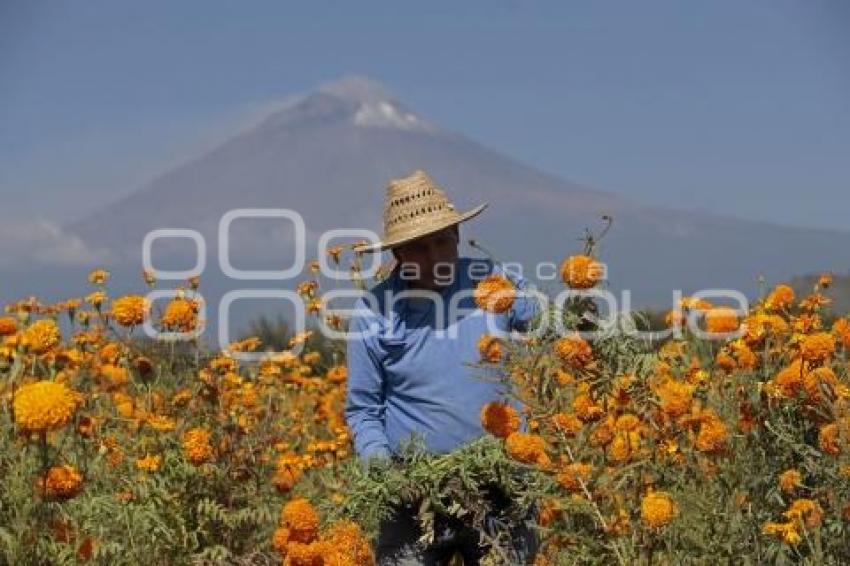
[[365, 402]]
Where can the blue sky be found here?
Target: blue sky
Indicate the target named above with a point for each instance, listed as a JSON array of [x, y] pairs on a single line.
[[740, 107]]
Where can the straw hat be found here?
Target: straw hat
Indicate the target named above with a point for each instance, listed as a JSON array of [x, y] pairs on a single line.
[[415, 206]]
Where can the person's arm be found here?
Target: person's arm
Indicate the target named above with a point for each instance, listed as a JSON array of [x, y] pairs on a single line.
[[525, 307], [364, 405]]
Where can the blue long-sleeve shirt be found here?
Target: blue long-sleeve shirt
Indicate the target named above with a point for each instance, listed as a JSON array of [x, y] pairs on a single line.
[[409, 374]]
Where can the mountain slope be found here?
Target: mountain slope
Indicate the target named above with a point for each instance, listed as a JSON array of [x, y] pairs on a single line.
[[329, 155]]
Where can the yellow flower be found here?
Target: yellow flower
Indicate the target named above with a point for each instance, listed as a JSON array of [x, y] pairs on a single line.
[[785, 531], [196, 445], [41, 336], [180, 315], [490, 348], [721, 320], [817, 347], [494, 294], [44, 406], [567, 423], [789, 480], [573, 475], [499, 419], [96, 299], [586, 409], [657, 509], [348, 545], [574, 351], [98, 276], [527, 448], [130, 310], [780, 298], [161, 423], [8, 326], [61, 482], [675, 396], [114, 376], [302, 520], [713, 433], [805, 512], [150, 463], [581, 272], [828, 439]]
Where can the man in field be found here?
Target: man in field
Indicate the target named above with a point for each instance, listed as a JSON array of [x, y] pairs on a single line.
[[408, 357]]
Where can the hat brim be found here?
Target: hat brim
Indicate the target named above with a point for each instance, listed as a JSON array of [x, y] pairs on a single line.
[[391, 243]]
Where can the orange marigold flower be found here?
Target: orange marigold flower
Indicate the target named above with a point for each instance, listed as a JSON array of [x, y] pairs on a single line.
[[817, 347], [348, 545], [526, 448], [61, 482], [571, 476], [786, 531], [280, 539], [495, 293], [789, 480], [788, 381], [721, 320], [713, 433], [302, 520], [130, 310], [818, 380], [490, 348], [564, 378], [841, 328], [675, 396], [828, 439], [285, 477], [113, 376], [41, 336], [567, 423], [8, 326], [780, 298], [196, 445], [44, 405], [574, 351], [499, 419], [581, 272], [337, 374], [180, 315], [586, 409], [806, 512], [150, 463], [161, 423], [657, 509], [98, 276]]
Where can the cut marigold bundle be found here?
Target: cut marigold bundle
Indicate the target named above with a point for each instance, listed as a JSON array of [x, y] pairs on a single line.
[[495, 294]]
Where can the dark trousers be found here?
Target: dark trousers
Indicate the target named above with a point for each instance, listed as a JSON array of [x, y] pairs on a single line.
[[397, 540]]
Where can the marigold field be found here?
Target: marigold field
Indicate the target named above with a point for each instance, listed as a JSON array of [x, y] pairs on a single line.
[[117, 449]]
